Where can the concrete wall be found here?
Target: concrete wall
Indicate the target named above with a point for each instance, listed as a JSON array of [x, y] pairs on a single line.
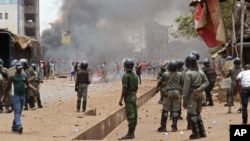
[[104, 127]]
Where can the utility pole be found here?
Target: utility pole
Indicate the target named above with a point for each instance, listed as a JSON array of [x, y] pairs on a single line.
[[242, 29]]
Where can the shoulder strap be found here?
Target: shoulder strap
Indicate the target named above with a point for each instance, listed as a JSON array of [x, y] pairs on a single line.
[[171, 77]]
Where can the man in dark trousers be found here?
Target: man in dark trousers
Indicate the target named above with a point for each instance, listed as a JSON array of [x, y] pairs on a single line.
[[244, 78], [129, 90]]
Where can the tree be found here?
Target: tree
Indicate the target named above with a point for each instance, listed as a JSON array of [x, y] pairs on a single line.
[[185, 22]]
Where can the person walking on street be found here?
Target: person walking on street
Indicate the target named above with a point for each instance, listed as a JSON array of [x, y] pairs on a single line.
[[211, 76], [81, 85], [244, 78], [138, 71], [128, 95], [171, 80], [195, 81], [117, 70], [18, 81]]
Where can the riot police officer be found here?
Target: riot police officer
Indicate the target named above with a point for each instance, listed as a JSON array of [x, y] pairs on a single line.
[[211, 76], [82, 81], [195, 81], [172, 80], [128, 95], [232, 73]]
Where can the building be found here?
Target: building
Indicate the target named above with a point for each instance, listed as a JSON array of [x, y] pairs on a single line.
[[20, 17]]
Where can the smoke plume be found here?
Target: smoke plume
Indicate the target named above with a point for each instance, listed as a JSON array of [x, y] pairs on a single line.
[[102, 30]]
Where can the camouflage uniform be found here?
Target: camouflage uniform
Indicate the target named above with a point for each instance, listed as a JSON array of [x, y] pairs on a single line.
[[81, 86], [194, 79], [171, 98], [36, 83], [3, 80], [29, 94]]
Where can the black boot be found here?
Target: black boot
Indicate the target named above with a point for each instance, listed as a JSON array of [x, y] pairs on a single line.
[[202, 131], [78, 104], [188, 122], [164, 117], [195, 131], [174, 125], [129, 135]]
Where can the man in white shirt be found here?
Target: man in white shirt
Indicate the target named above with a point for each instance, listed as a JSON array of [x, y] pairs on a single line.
[[244, 78]]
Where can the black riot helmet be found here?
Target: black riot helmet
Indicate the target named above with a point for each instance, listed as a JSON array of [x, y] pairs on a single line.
[[172, 66], [191, 62], [84, 65], [128, 64], [179, 64], [206, 62], [237, 61], [228, 58], [196, 54], [33, 65]]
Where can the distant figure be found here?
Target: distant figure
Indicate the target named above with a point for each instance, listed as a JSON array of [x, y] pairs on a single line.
[[117, 70], [72, 71], [81, 86], [103, 72], [138, 71], [52, 70]]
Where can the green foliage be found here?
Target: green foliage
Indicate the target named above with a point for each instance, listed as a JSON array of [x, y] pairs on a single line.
[[185, 23]]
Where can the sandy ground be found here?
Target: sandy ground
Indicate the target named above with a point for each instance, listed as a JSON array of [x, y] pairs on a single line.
[[58, 119]]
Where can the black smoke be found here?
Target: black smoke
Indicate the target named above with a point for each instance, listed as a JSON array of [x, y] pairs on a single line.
[[101, 30]]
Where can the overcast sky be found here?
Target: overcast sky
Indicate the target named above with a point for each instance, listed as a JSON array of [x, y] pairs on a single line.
[[49, 10]]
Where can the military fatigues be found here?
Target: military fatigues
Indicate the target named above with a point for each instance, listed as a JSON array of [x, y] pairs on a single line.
[[29, 94], [3, 80], [130, 83], [171, 98], [81, 86], [232, 73], [36, 83], [194, 79]]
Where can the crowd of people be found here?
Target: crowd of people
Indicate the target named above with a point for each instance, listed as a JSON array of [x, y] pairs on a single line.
[[186, 84]]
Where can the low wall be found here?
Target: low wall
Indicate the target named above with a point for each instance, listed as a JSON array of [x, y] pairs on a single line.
[[104, 127]]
